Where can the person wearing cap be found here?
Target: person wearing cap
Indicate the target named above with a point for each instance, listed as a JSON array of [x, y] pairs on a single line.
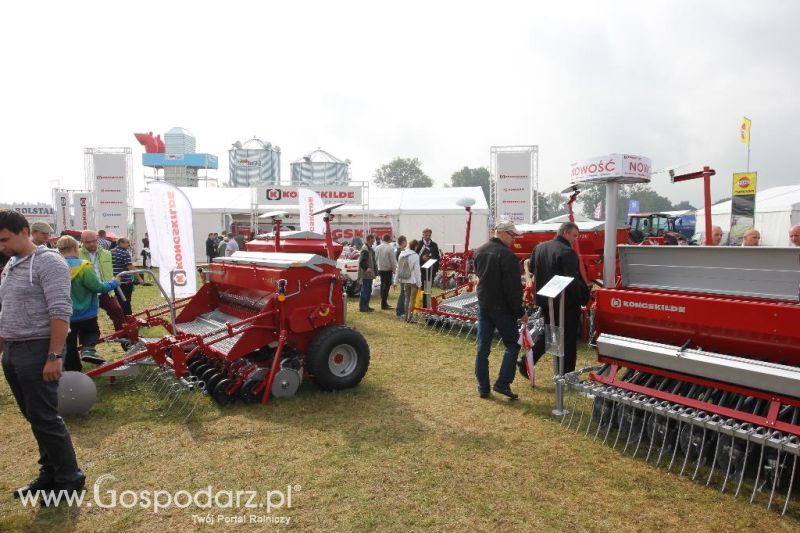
[[499, 307], [40, 234], [558, 258]]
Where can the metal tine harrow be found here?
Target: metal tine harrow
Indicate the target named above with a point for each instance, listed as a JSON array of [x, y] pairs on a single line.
[[177, 398], [757, 462]]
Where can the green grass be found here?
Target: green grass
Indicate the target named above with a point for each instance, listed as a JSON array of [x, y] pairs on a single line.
[[411, 448]]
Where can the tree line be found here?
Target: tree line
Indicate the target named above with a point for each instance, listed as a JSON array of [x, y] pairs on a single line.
[[407, 172]]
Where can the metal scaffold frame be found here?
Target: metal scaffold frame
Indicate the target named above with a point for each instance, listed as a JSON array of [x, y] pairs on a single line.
[[88, 165], [533, 150]]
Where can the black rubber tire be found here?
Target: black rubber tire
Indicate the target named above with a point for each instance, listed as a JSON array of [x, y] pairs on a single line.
[[206, 376], [320, 350]]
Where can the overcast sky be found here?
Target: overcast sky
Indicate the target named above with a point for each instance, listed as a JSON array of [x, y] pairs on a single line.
[[368, 81]]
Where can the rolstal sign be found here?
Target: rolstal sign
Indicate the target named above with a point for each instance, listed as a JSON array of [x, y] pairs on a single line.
[[168, 214]]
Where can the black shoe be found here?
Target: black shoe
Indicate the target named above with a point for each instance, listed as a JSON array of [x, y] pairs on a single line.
[[484, 394], [367, 310], [370, 309], [65, 489], [91, 357], [387, 307], [505, 391], [40, 483]]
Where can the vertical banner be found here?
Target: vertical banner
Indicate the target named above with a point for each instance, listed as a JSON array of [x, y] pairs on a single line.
[[743, 205], [111, 193], [83, 214], [513, 186], [310, 202], [168, 215], [61, 207]]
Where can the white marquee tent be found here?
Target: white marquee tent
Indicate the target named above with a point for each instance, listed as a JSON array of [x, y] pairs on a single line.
[[777, 209], [408, 211]]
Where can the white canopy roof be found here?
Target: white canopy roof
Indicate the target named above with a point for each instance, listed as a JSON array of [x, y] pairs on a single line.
[[383, 201], [775, 199]]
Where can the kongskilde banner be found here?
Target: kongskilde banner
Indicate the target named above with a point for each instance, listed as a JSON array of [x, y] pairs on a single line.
[[61, 207], [513, 186], [111, 193], [310, 202], [291, 195], [168, 215], [83, 215]]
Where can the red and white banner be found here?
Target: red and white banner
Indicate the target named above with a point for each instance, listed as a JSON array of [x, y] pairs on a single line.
[[622, 168], [84, 215], [61, 207], [111, 193], [290, 195], [168, 214], [310, 202]]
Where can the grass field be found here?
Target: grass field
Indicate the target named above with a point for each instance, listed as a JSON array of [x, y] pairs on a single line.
[[411, 448]]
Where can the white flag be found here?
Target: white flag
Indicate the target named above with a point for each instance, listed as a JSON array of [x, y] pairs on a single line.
[[168, 214], [310, 202]]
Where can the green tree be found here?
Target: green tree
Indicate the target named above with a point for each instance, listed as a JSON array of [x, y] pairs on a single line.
[[472, 177], [683, 205], [649, 200], [551, 205], [402, 173]]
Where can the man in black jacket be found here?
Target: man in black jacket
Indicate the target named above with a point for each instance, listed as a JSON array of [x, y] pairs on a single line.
[[499, 307], [428, 249], [558, 258], [211, 247]]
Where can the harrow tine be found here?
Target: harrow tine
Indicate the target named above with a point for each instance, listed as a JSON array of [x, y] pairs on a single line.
[[700, 454], [641, 433], [622, 407], [744, 466], [663, 440], [758, 473], [775, 475], [686, 453], [583, 409], [574, 394], [630, 432], [599, 422], [791, 482], [730, 461], [610, 421], [676, 445]]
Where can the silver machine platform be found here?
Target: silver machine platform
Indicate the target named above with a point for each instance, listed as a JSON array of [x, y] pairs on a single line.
[[213, 325], [762, 272], [277, 260]]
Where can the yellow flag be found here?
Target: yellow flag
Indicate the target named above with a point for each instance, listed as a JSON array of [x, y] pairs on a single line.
[[744, 131]]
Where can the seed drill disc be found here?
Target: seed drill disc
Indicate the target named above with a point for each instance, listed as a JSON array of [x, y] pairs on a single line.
[[76, 393]]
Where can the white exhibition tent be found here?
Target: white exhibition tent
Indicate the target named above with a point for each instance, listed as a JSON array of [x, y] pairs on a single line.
[[408, 210], [777, 209]]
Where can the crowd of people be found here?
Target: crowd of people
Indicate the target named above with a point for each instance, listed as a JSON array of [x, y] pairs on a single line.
[[224, 244], [395, 265]]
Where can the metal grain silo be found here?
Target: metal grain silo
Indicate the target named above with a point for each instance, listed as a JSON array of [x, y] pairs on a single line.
[[320, 168], [254, 163]]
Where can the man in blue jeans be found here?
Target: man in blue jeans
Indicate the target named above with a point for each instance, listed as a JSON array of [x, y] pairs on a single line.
[[35, 295], [366, 273], [499, 307]]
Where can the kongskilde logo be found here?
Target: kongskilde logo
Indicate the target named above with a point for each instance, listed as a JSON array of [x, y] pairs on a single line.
[[616, 302], [176, 238], [273, 194]]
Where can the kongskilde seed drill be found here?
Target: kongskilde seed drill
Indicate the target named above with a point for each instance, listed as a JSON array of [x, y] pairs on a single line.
[[261, 324]]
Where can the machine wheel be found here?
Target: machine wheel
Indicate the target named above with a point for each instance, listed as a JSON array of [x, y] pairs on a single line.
[[206, 375], [220, 392], [338, 357], [247, 394]]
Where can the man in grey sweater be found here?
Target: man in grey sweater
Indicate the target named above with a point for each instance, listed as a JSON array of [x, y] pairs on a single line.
[[36, 308]]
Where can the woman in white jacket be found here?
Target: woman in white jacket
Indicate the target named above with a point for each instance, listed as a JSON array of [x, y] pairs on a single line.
[[409, 275]]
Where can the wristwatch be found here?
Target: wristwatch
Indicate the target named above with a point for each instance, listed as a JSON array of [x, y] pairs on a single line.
[[52, 356]]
